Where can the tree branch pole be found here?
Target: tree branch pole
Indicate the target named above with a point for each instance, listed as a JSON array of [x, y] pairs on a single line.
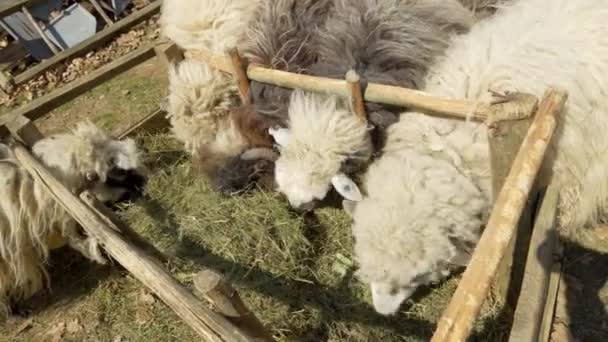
[[457, 320], [211, 326], [374, 92], [356, 94], [239, 71]]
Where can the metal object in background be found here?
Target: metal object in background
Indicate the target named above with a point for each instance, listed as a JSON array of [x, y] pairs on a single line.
[[72, 26]]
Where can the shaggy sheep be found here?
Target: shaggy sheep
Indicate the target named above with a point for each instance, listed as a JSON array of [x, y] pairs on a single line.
[[208, 25], [429, 194], [32, 222], [391, 42], [201, 102]]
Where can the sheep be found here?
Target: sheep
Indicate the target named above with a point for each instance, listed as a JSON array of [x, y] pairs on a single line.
[[32, 222], [232, 144], [391, 42], [429, 194], [208, 25]]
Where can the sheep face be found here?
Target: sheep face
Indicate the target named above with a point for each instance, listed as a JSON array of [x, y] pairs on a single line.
[[322, 137], [413, 227], [88, 159]]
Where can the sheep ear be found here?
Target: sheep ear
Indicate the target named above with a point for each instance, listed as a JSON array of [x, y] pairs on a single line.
[[349, 207], [346, 187], [280, 135]]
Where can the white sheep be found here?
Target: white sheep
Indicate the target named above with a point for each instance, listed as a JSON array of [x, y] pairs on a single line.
[[429, 194], [391, 42], [32, 222], [209, 25]]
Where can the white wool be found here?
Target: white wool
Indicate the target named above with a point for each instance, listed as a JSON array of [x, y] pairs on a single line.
[[32, 222], [338, 135], [211, 25], [439, 183], [199, 108]]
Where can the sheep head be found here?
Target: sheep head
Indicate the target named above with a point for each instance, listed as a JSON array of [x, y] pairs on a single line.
[[413, 227], [323, 138], [89, 159]]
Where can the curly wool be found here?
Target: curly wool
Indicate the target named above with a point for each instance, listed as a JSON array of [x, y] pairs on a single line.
[[209, 25], [32, 222], [392, 42], [199, 105], [526, 47], [339, 135]]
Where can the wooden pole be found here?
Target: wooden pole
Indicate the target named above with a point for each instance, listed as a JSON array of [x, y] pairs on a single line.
[[374, 92], [25, 130], [530, 307], [101, 12], [211, 326], [239, 70], [356, 94], [508, 125], [39, 30], [227, 301], [457, 320]]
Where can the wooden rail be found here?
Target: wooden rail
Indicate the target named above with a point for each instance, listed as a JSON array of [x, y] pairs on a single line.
[[457, 320]]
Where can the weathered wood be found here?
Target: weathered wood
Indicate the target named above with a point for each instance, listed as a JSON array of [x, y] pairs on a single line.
[[151, 123], [239, 71], [457, 320], [101, 12], [356, 94], [551, 298], [227, 301], [39, 30], [97, 40], [539, 263], [561, 319], [42, 105], [8, 7], [211, 326], [374, 92], [24, 129], [508, 124], [12, 55], [6, 82], [168, 53]]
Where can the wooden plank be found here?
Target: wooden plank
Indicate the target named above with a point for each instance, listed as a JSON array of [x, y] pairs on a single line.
[[42, 105], [11, 55], [151, 123], [211, 326], [169, 53], [39, 30], [532, 301], [97, 40], [507, 129], [101, 12], [551, 300], [24, 129], [8, 7], [457, 320]]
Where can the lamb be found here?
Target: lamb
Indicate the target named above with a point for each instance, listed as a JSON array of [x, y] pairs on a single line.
[[391, 42], [32, 222], [429, 195], [230, 144]]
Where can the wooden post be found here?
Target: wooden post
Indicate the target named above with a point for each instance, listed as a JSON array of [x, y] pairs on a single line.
[[101, 12], [211, 326], [356, 95], [457, 320], [168, 53], [227, 301], [39, 30], [374, 92], [239, 70], [6, 82], [24, 129], [534, 296], [508, 125]]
